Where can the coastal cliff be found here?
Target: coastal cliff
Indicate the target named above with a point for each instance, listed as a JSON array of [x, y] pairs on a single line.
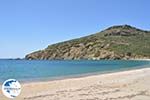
[[116, 42]]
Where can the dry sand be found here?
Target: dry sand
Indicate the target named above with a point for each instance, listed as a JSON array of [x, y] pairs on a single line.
[[127, 85]]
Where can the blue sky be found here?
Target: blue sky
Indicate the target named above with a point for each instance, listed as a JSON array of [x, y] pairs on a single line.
[[30, 25]]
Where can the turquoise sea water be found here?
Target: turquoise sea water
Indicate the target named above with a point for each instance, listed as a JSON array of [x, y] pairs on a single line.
[[25, 70]]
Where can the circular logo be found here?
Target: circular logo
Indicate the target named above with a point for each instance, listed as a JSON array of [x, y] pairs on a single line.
[[11, 88]]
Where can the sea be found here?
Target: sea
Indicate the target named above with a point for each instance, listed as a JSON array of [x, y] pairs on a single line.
[[43, 70]]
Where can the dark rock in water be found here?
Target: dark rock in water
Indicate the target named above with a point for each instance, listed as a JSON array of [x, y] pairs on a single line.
[[116, 42], [18, 59]]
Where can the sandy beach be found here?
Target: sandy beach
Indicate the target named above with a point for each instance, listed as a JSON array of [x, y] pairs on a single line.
[[126, 85]]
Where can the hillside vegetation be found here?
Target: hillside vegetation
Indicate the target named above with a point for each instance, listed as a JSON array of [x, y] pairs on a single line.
[[117, 42]]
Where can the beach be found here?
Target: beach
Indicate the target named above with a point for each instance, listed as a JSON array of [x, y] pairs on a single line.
[[125, 85]]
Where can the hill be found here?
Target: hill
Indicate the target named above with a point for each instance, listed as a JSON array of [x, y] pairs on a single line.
[[116, 42]]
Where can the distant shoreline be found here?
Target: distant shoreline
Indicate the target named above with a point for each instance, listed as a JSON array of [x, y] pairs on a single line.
[[71, 59], [142, 59]]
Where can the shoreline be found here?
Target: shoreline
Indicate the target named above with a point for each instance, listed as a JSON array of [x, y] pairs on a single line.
[[126, 85], [53, 78], [141, 59], [74, 77], [57, 78], [83, 75]]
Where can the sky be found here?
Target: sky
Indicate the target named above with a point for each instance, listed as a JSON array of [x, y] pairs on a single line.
[[30, 25]]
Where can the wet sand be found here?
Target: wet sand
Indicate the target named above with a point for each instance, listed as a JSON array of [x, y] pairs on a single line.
[[125, 85]]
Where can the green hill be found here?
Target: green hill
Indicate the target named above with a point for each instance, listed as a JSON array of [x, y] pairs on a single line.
[[117, 42]]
